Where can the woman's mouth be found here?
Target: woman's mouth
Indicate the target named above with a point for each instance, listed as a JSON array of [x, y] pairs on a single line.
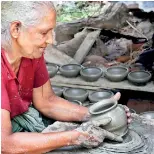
[[42, 50]]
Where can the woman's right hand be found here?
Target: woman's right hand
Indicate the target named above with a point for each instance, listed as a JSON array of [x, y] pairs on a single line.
[[92, 135]]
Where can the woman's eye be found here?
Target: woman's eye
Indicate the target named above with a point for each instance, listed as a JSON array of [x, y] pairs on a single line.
[[44, 33]]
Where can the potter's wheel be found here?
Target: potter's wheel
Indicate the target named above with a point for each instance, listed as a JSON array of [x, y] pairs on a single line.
[[132, 141], [139, 140]]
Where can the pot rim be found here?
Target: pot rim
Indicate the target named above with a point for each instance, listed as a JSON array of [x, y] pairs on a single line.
[[141, 79], [91, 75], [57, 87], [90, 96], [62, 67], [53, 64], [109, 73], [79, 102], [84, 95], [105, 103]]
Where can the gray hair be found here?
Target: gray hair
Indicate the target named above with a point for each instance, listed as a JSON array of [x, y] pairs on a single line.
[[27, 12]]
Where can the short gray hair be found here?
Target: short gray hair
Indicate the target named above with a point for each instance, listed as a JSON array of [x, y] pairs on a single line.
[[27, 12]]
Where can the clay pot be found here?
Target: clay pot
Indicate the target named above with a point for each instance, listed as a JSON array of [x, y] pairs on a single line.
[[78, 94], [58, 90], [70, 70], [110, 108], [77, 102], [91, 74], [140, 77], [52, 69], [100, 95], [116, 73], [136, 67]]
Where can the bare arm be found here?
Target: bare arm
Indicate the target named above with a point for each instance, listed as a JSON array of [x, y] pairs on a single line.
[[32, 143], [55, 107]]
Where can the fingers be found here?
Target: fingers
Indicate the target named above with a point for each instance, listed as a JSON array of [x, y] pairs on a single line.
[[89, 139], [126, 108], [111, 136], [117, 96], [129, 115], [92, 135], [101, 122], [129, 119], [89, 142]]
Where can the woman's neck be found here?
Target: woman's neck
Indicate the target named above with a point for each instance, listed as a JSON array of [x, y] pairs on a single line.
[[13, 57]]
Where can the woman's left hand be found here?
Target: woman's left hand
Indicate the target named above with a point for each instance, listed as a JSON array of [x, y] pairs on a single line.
[[129, 119], [117, 97]]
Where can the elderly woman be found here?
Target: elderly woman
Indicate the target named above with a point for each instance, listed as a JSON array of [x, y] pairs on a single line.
[[26, 31]]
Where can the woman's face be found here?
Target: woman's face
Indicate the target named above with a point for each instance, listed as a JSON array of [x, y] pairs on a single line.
[[33, 40]]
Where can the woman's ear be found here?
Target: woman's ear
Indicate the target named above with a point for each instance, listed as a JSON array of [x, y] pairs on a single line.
[[15, 29]]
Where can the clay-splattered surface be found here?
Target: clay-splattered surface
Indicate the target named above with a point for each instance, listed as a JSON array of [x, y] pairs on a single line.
[[139, 141]]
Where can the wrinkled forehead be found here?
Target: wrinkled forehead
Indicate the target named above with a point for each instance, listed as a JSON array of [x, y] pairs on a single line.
[[46, 13], [47, 21]]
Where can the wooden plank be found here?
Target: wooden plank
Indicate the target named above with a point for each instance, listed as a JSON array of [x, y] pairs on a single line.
[[86, 46], [101, 83], [53, 55]]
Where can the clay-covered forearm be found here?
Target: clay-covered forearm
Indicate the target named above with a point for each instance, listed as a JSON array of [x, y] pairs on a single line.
[[62, 110], [37, 143]]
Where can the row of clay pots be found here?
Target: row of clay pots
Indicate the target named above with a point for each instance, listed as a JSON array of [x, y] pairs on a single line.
[[93, 97], [81, 95], [120, 73], [73, 70], [91, 74]]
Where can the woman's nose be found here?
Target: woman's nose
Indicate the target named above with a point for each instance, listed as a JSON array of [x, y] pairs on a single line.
[[50, 38]]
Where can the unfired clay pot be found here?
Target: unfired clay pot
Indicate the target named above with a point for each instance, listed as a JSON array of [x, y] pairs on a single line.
[[52, 69], [91, 74], [77, 102], [70, 70], [116, 73], [110, 108], [78, 94], [139, 77], [58, 90], [99, 95]]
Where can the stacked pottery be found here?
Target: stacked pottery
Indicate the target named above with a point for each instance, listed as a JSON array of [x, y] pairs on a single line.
[[58, 90], [100, 95], [116, 73], [77, 102], [140, 77], [109, 108], [91, 74], [136, 67], [70, 70], [73, 94], [52, 69]]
